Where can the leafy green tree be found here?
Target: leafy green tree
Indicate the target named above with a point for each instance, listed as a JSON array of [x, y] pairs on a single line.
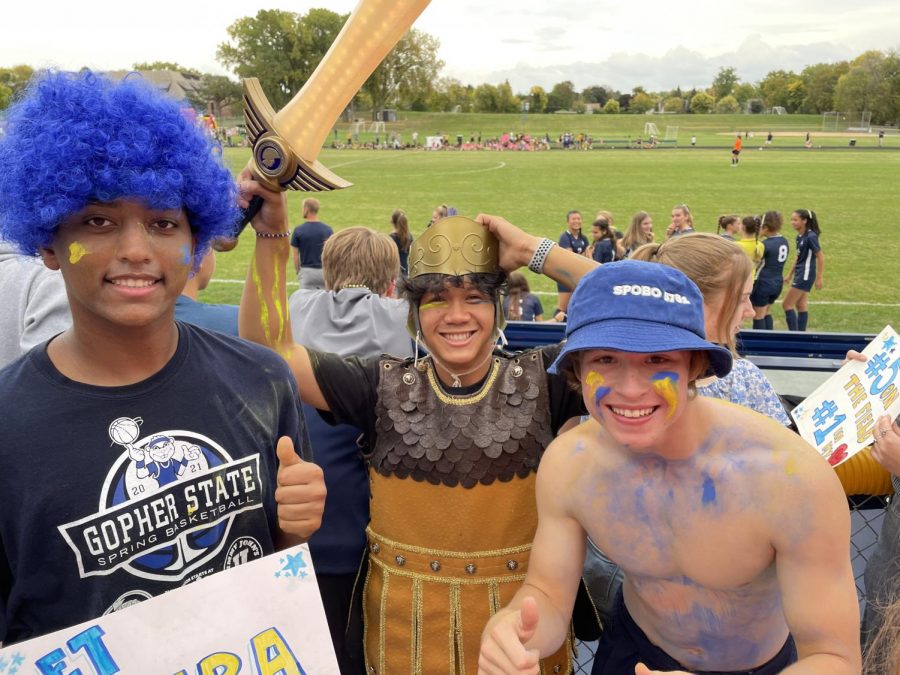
[[725, 82], [15, 79], [280, 48], [819, 82], [611, 107], [537, 99], [407, 73], [507, 102], [744, 91], [217, 91], [5, 96], [595, 94], [449, 93], [561, 97], [863, 86], [168, 65], [702, 102], [486, 98], [774, 88], [641, 102], [673, 104], [727, 105]]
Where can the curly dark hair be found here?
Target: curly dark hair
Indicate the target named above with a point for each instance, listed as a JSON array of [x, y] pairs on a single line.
[[492, 284], [78, 138]]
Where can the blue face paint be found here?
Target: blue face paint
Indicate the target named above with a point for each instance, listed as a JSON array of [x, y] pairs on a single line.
[[186, 252], [709, 490]]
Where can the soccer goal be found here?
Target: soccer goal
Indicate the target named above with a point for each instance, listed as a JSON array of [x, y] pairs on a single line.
[[858, 120], [356, 128], [671, 133], [650, 129], [377, 127]]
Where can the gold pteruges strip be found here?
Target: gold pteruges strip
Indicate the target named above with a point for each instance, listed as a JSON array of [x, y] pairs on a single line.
[[382, 611], [462, 400], [366, 624], [388, 570], [494, 597], [447, 554], [416, 633], [460, 652], [454, 627]]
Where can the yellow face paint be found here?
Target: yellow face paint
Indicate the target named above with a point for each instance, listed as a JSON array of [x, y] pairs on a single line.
[[76, 252], [594, 380], [666, 385], [436, 304]]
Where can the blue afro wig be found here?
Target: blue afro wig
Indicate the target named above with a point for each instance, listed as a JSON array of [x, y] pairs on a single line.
[[77, 138]]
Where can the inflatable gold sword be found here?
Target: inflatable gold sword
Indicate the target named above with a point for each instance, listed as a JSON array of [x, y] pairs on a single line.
[[286, 144]]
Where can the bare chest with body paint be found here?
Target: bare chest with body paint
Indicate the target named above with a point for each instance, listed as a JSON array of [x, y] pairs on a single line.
[[694, 540], [709, 517]]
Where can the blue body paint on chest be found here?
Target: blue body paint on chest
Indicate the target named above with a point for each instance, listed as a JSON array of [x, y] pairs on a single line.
[[709, 490]]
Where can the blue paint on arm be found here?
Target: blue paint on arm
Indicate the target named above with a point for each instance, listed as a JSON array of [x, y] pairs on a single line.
[[709, 490]]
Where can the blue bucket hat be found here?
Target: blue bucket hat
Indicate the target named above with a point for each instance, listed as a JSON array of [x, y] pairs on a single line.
[[641, 307]]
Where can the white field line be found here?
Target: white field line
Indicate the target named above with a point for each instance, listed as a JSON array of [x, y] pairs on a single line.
[[846, 303]]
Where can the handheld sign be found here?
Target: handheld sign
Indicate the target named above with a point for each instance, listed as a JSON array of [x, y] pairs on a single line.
[[838, 417], [261, 618]]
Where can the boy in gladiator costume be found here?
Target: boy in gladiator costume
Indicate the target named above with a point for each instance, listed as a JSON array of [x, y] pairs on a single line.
[[452, 440]]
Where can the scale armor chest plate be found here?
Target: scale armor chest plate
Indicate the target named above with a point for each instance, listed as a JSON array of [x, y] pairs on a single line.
[[495, 434]]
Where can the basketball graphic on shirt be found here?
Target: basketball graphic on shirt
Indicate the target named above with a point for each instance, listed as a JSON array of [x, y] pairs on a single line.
[[125, 430], [188, 455]]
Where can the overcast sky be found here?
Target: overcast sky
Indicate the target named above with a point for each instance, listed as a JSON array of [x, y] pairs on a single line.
[[652, 43]]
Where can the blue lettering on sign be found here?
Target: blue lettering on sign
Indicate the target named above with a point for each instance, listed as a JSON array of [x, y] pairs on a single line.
[[825, 413], [89, 640], [885, 377]]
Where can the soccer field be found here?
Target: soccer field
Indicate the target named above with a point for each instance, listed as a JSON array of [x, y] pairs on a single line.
[[850, 190]]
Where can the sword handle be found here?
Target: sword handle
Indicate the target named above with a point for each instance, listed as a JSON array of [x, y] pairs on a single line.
[[248, 214]]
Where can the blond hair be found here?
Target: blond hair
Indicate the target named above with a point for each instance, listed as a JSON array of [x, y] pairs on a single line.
[[881, 655], [357, 257], [719, 267], [633, 235], [310, 205]]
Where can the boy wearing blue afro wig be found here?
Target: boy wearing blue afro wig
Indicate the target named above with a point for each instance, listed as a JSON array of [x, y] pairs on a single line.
[[112, 185]]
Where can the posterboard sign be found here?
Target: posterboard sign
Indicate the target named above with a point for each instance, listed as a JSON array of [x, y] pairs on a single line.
[[838, 417], [261, 618]]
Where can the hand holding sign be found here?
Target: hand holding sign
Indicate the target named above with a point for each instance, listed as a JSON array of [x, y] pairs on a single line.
[[300, 494]]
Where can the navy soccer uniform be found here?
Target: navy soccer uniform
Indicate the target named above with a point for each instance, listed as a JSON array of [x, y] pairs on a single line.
[[604, 251], [573, 243], [577, 244], [805, 269], [770, 276]]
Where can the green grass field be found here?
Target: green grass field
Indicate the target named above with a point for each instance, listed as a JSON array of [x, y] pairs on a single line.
[[710, 130], [849, 190]]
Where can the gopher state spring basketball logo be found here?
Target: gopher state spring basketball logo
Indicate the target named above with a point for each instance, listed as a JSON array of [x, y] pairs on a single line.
[[167, 504]]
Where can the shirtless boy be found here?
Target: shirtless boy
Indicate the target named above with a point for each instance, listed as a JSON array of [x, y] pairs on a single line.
[[733, 533]]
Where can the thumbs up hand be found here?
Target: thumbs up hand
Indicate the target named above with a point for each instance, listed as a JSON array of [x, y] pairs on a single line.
[[503, 647], [300, 494]]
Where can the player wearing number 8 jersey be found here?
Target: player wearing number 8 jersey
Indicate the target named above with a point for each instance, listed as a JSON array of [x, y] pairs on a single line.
[[769, 282]]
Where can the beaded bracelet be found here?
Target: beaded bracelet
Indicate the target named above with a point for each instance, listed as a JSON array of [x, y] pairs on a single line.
[[540, 255], [272, 235]]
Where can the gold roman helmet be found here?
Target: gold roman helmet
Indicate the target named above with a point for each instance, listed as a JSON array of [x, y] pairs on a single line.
[[455, 246]]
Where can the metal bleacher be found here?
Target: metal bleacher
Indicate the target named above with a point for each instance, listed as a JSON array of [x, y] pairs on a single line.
[[781, 353]]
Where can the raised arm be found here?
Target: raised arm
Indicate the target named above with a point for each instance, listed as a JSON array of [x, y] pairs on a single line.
[[535, 623], [814, 573], [517, 247], [264, 317]]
